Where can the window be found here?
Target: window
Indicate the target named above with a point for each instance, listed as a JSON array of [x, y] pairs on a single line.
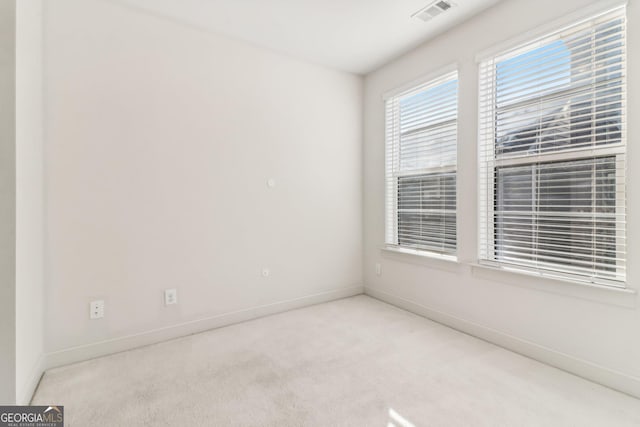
[[421, 144], [552, 153]]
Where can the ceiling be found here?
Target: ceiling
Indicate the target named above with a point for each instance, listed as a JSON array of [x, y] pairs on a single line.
[[351, 35]]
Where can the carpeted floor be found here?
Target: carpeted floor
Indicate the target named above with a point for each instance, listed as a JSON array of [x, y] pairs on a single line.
[[352, 362]]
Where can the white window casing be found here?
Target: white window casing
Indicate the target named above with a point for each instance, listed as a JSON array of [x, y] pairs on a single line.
[[552, 153], [421, 151]]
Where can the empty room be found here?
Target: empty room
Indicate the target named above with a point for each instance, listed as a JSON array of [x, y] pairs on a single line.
[[396, 213]]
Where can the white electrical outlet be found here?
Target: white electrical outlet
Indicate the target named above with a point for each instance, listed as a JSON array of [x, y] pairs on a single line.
[[378, 269], [96, 309], [170, 296]]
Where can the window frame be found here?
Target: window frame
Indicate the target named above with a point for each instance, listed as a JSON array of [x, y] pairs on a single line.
[[391, 242], [489, 163]]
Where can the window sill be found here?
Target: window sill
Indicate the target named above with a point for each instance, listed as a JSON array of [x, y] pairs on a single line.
[[414, 256], [622, 297]]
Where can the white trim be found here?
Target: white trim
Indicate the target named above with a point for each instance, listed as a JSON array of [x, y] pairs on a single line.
[[440, 72], [393, 144], [25, 394], [565, 155], [490, 160], [422, 258], [588, 12], [424, 253], [116, 345], [432, 170], [513, 276], [583, 368]]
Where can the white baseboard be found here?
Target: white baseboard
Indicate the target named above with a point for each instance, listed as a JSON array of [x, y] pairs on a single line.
[[585, 369], [24, 394], [115, 345]]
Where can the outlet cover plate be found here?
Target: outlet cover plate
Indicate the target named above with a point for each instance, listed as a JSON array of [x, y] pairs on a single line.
[[170, 296], [96, 309]]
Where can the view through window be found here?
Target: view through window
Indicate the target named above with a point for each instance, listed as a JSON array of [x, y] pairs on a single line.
[[421, 166], [553, 151]]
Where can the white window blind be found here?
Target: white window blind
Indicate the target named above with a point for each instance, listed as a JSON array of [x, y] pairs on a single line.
[[421, 144], [552, 153]]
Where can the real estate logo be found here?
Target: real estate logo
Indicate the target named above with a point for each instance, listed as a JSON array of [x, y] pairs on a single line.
[[31, 416]]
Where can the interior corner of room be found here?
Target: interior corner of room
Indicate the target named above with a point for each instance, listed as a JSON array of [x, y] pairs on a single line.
[[168, 169]]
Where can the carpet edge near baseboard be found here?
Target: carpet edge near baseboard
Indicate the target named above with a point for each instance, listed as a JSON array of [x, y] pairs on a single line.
[[115, 345], [590, 371]]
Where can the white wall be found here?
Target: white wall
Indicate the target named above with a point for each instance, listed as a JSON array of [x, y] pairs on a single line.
[[160, 140], [29, 198], [589, 331], [7, 203]]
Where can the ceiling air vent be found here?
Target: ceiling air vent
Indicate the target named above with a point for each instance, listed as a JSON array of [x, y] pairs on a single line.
[[433, 9]]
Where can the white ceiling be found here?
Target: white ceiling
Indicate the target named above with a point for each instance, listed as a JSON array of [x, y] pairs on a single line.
[[351, 35]]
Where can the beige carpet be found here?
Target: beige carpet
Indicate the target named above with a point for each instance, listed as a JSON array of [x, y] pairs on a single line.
[[353, 362]]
